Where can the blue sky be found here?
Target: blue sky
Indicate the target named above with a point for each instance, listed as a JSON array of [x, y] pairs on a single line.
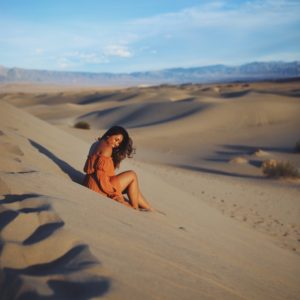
[[130, 35]]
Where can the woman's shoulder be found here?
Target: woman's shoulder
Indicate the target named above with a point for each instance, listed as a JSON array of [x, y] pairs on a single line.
[[103, 149]]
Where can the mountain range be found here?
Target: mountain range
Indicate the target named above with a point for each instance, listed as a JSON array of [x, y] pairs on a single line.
[[206, 74]]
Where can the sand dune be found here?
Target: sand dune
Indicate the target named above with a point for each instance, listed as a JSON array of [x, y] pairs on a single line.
[[142, 114], [223, 231]]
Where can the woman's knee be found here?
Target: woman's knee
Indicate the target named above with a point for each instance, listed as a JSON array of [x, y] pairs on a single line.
[[132, 175]]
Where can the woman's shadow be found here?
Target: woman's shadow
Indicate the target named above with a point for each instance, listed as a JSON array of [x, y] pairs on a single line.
[[74, 174]]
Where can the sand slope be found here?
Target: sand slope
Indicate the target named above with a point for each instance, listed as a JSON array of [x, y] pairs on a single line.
[[63, 241]]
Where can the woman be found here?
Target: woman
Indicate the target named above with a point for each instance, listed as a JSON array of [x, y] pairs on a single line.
[[105, 155]]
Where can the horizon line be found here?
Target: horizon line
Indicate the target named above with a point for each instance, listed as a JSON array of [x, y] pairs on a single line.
[[153, 70]]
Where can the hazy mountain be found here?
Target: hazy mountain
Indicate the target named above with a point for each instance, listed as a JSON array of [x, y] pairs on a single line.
[[214, 73]]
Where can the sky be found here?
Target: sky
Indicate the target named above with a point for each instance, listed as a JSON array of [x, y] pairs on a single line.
[[138, 35]]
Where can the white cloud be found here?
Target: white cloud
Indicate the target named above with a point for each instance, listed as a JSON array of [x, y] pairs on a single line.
[[86, 57], [117, 50]]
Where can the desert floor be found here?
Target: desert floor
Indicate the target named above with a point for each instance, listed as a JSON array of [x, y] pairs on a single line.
[[222, 230]]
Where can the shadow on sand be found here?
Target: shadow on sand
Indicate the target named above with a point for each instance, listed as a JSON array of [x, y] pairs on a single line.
[[97, 98], [235, 94], [74, 174], [66, 288], [245, 149], [68, 275], [11, 198], [136, 117], [217, 172]]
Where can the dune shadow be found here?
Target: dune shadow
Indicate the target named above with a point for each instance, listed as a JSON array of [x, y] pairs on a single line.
[[252, 149], [127, 120], [42, 232], [40, 208], [96, 98], [217, 172], [252, 162], [78, 259], [11, 198], [76, 290], [99, 113], [188, 99], [74, 174], [255, 163], [128, 97], [223, 160], [292, 93], [136, 115], [235, 152], [6, 217], [235, 94], [71, 290]]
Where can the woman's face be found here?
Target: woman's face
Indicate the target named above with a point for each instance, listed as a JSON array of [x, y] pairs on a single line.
[[115, 140]]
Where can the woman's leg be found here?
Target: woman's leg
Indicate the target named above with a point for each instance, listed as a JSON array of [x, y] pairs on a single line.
[[143, 203], [128, 180]]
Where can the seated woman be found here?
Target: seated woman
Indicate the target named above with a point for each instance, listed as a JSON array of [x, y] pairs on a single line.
[[104, 156]]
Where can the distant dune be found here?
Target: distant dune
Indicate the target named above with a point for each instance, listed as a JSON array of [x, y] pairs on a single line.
[[222, 231]]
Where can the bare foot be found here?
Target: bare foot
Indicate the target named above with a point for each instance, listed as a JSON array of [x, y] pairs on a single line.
[[147, 209]]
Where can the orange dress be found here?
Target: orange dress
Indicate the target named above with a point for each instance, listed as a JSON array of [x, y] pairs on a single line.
[[99, 170]]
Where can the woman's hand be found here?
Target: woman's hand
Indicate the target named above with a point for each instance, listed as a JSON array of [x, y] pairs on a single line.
[[119, 198]]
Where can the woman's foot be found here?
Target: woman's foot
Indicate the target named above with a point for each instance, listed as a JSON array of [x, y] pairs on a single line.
[[147, 209]]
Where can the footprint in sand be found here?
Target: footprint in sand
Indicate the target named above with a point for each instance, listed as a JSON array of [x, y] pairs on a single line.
[[259, 222]]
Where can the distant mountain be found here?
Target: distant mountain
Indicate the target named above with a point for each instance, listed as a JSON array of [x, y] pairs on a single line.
[[214, 73]]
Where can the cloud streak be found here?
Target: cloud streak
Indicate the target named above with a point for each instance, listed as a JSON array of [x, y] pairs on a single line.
[[117, 50]]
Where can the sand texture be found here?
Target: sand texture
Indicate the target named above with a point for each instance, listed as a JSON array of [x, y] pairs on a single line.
[[222, 230]]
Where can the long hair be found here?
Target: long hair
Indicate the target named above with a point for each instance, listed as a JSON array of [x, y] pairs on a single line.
[[125, 149]]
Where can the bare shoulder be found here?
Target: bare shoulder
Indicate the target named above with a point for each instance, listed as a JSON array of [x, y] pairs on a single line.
[[104, 148]]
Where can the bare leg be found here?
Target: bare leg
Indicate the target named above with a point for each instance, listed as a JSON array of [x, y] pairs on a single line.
[[143, 203], [128, 180]]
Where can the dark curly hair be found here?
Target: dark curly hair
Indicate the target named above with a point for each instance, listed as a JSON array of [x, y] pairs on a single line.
[[125, 149]]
